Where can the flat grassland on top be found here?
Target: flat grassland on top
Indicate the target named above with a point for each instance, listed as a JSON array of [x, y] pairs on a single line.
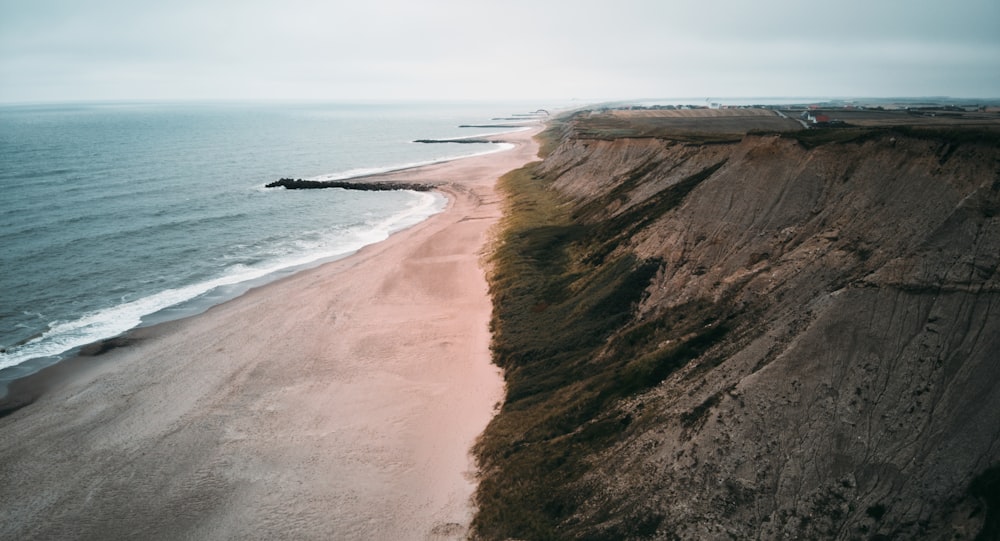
[[924, 117], [695, 125]]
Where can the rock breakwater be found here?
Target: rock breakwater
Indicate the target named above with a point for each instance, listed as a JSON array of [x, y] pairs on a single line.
[[367, 186]]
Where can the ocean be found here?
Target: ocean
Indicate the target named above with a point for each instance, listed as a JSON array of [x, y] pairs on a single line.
[[115, 216]]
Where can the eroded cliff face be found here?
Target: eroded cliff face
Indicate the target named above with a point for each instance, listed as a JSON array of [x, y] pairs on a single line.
[[837, 314]]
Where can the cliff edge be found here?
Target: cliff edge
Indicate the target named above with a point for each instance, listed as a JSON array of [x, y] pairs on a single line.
[[735, 329]]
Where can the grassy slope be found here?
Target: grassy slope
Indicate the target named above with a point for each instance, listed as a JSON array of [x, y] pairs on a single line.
[[566, 335], [570, 342]]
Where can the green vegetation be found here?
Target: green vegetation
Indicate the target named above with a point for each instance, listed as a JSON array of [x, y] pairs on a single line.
[[986, 487], [876, 511], [566, 333], [954, 135], [815, 137], [641, 215], [549, 139], [693, 130], [578, 356], [989, 135]]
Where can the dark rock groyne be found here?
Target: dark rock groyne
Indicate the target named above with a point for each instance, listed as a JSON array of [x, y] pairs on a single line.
[[463, 141], [492, 125], [299, 184]]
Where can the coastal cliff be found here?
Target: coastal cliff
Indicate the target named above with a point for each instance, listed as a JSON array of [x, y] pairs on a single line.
[[747, 331]]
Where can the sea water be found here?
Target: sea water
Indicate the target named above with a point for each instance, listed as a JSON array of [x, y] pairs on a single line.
[[114, 216]]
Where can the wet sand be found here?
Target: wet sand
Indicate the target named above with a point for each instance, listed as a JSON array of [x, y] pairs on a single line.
[[338, 403]]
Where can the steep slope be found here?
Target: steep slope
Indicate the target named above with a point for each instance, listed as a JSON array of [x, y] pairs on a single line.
[[788, 335]]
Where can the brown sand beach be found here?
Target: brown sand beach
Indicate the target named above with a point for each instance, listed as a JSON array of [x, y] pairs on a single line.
[[338, 403]]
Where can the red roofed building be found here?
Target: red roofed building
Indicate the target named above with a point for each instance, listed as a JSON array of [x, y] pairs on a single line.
[[815, 117]]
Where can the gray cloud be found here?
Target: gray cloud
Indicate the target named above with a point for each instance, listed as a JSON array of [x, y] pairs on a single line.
[[190, 49]]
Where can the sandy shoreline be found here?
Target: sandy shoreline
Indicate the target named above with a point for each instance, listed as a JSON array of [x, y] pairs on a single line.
[[340, 402]]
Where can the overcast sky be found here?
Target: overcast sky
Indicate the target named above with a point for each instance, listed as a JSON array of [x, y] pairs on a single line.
[[57, 50]]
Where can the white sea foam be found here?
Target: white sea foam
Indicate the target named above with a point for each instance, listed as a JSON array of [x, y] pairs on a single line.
[[65, 336], [179, 231]]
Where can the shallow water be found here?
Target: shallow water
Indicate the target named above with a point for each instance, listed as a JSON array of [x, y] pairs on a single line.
[[119, 215]]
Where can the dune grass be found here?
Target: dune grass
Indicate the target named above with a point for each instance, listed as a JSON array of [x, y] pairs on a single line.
[[812, 138], [551, 314], [578, 356], [566, 333]]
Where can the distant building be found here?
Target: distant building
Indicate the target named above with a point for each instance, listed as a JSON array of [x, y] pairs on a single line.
[[815, 117]]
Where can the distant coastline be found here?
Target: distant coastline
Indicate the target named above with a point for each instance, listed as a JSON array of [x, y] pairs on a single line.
[[234, 266], [344, 398]]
